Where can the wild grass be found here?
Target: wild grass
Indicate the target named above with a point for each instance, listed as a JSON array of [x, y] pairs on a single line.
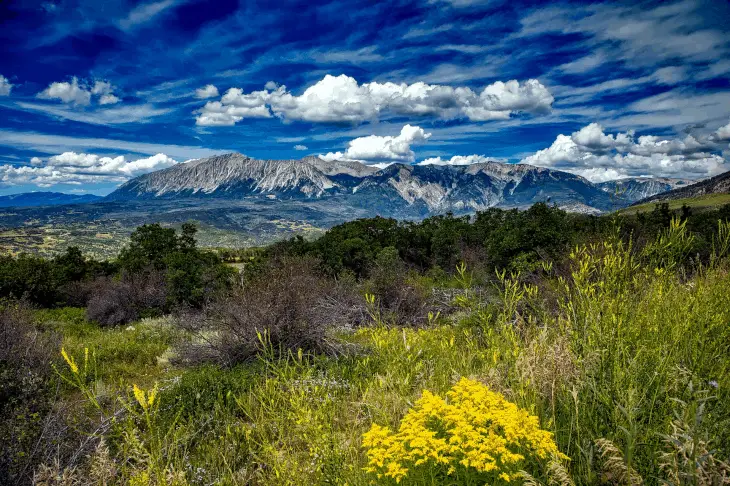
[[700, 202], [624, 358]]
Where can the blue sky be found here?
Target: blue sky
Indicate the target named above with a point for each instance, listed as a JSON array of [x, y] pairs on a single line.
[[93, 93]]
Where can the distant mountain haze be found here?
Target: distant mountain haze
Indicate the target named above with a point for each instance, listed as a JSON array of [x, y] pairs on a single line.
[[30, 199]]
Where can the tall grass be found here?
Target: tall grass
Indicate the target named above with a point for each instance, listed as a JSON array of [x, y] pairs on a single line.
[[624, 358]]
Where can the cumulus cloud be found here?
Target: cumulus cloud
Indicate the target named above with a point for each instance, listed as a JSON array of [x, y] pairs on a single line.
[[104, 90], [460, 160], [81, 168], [374, 148], [723, 133], [598, 156], [5, 86], [80, 94], [67, 92], [593, 137], [208, 91], [300, 147], [341, 99]]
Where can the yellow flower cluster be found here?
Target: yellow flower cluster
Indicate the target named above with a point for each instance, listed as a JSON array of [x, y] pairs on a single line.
[[146, 401], [475, 433], [70, 361]]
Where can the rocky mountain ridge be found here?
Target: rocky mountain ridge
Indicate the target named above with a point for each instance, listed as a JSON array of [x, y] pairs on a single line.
[[719, 184], [396, 190], [637, 188]]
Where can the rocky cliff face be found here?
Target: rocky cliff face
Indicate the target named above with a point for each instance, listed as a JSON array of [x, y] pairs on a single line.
[[396, 190], [720, 184], [638, 188]]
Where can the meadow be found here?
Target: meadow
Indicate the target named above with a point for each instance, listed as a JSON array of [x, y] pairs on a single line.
[[607, 364]]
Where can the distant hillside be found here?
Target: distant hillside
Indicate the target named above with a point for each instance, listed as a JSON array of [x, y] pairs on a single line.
[[638, 188], [30, 199], [699, 203], [720, 184], [399, 190]]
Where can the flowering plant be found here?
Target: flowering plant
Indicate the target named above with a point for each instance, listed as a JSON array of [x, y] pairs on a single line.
[[475, 435]]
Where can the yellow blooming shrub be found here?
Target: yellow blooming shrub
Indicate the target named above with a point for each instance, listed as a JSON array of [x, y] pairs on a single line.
[[473, 435]]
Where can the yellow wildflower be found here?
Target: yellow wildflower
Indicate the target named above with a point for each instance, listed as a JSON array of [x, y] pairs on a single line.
[[70, 361], [140, 396], [473, 429]]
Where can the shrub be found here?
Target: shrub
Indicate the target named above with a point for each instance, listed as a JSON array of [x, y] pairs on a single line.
[[399, 301], [121, 301], [289, 307], [475, 437], [25, 391]]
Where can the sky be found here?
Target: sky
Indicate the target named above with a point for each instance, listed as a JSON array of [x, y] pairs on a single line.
[[93, 93]]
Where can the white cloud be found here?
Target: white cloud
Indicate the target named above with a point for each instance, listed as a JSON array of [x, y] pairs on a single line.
[[142, 166], [636, 35], [460, 160], [5, 86], [46, 143], [104, 90], [80, 94], [142, 14], [215, 113], [108, 99], [301, 147], [723, 133], [593, 137], [374, 148], [357, 57], [67, 92], [81, 168], [209, 91], [104, 116], [341, 99], [598, 156]]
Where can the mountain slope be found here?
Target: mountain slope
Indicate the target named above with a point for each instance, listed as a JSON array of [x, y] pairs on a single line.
[[720, 184], [30, 199], [398, 190], [230, 175], [638, 188]]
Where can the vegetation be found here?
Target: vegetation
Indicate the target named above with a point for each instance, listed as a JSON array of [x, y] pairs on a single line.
[[709, 201], [528, 347]]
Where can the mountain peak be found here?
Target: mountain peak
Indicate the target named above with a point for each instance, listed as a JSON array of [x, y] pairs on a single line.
[[400, 190]]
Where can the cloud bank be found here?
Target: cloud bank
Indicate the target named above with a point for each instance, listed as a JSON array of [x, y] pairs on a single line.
[[341, 99], [461, 160], [598, 156], [81, 168]]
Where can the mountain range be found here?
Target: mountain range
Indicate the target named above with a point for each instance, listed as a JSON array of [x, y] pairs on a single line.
[[398, 190], [30, 199], [719, 184], [638, 188], [240, 201]]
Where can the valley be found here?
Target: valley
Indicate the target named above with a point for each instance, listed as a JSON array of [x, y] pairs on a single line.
[[242, 202]]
